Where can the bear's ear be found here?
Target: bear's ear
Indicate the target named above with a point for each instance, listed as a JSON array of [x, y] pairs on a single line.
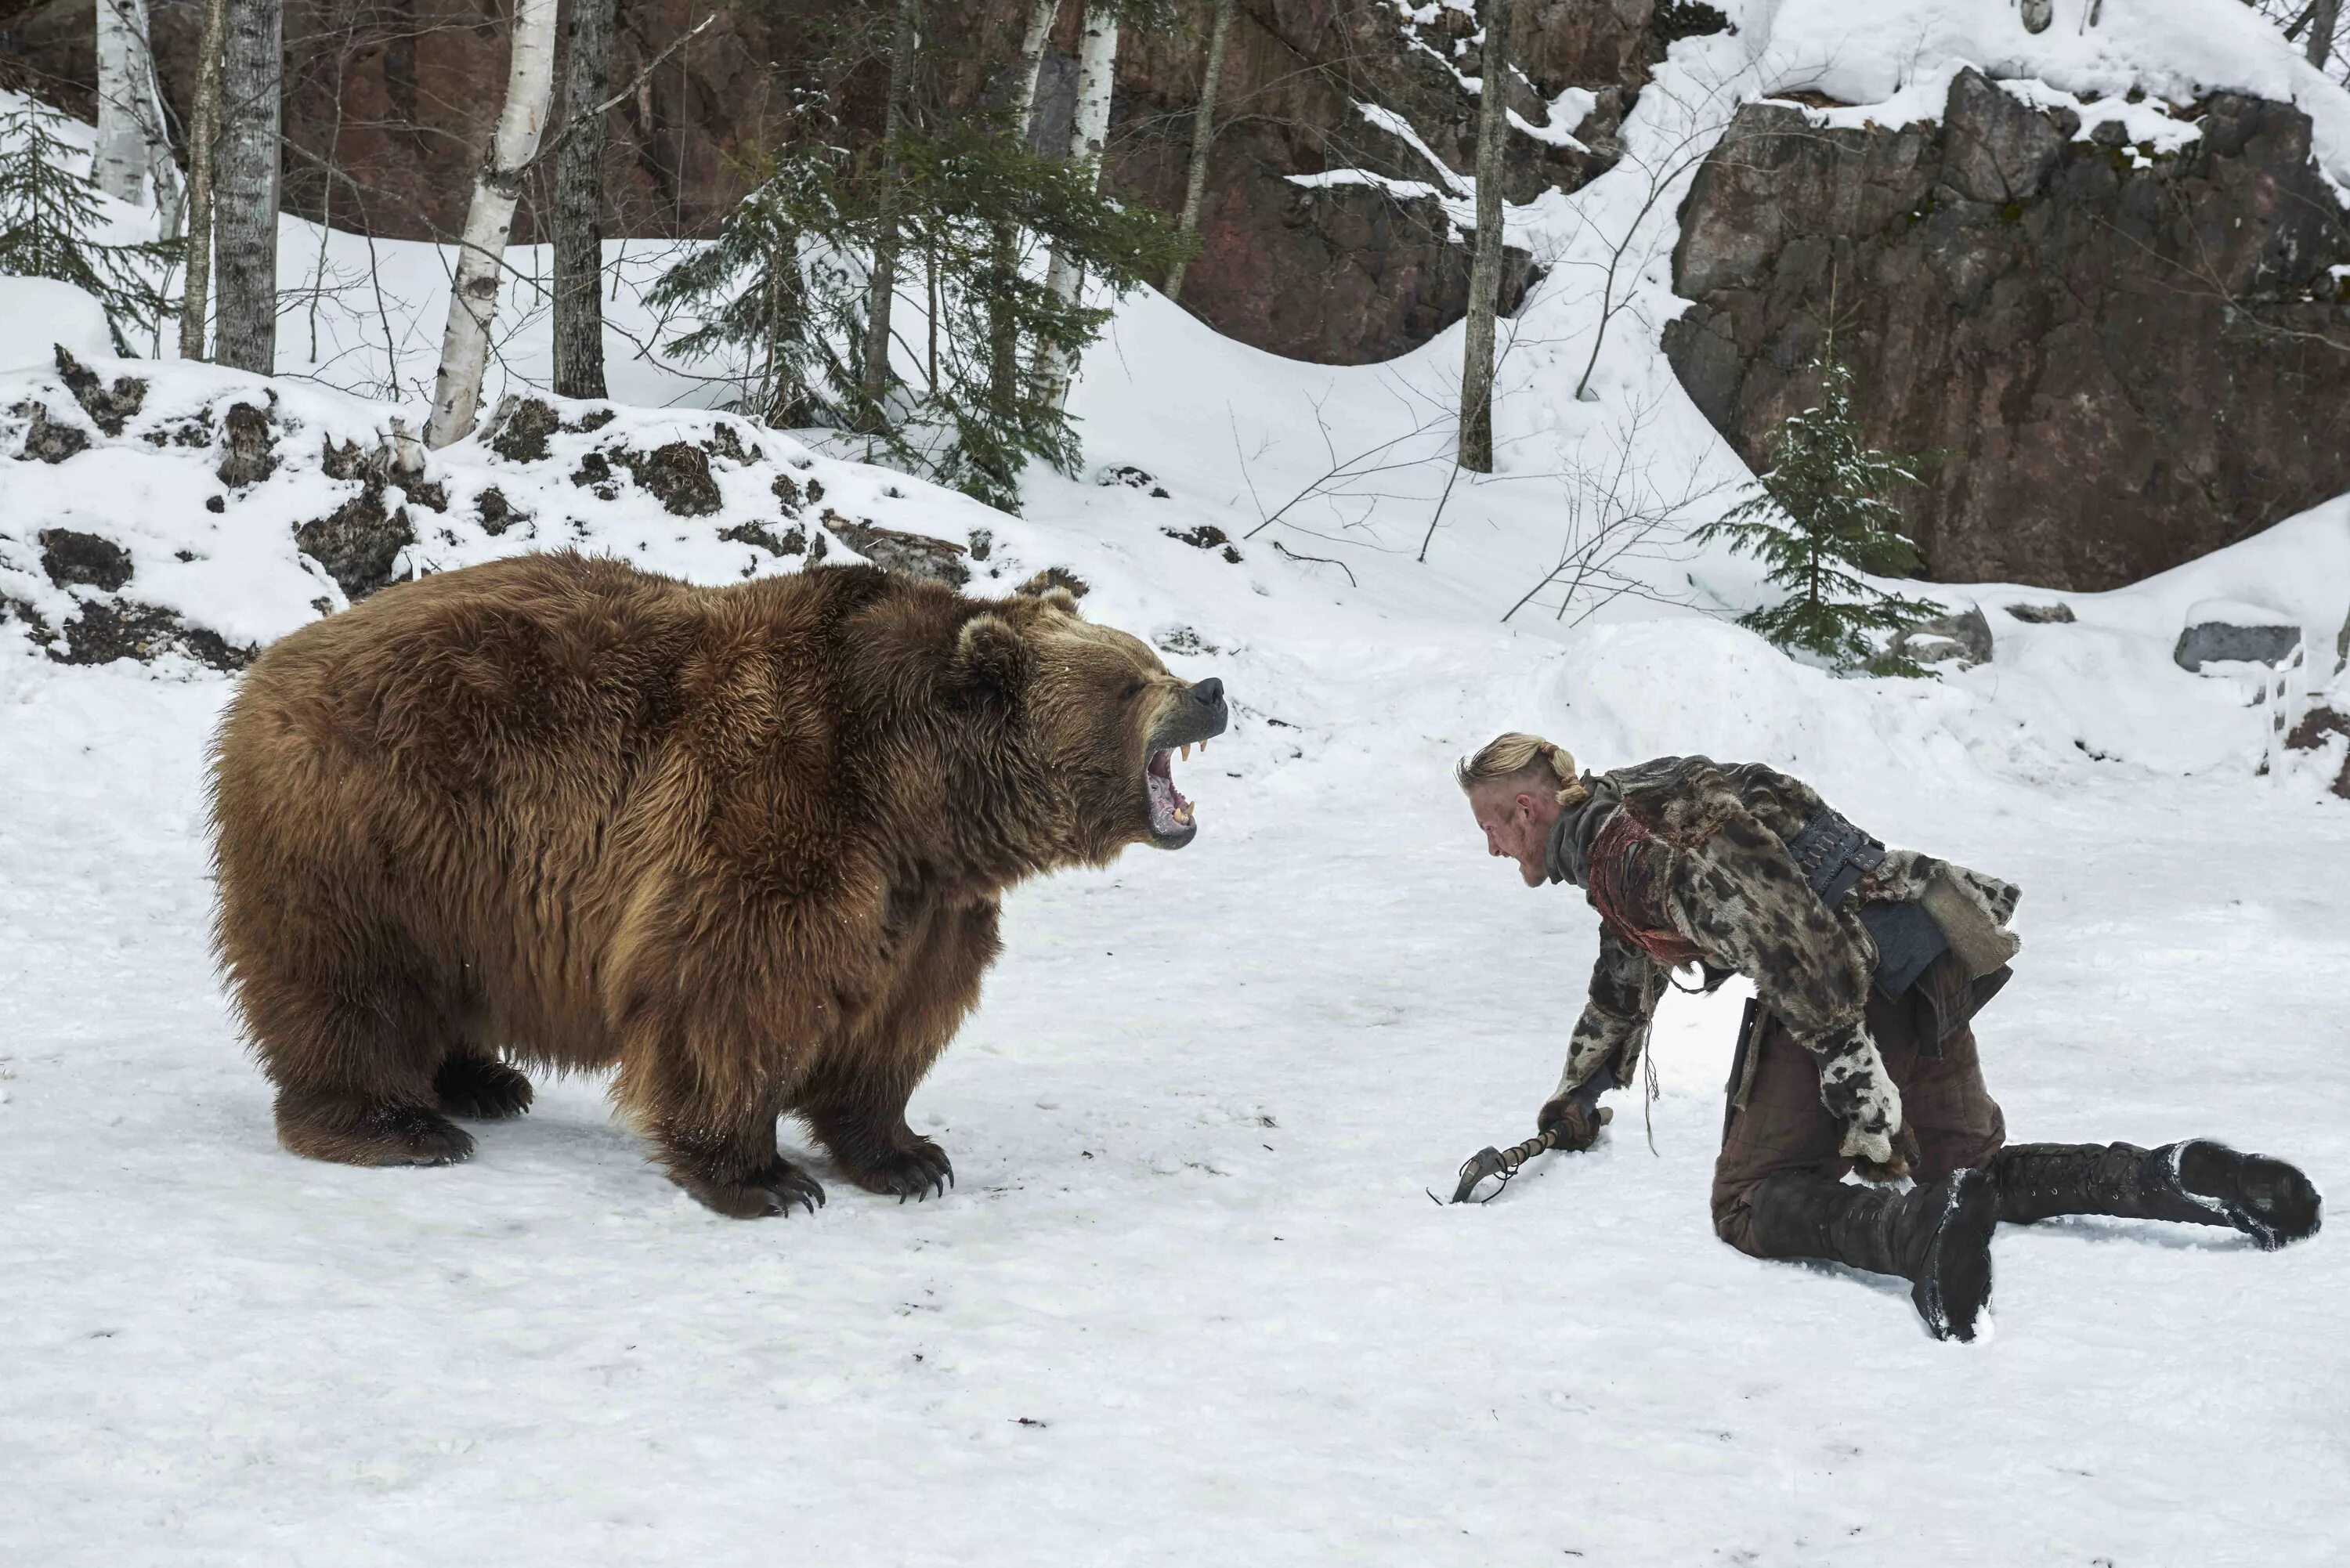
[[1056, 588], [989, 655]]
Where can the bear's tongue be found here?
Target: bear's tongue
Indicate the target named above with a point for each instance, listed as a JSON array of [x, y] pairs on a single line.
[[1168, 809]]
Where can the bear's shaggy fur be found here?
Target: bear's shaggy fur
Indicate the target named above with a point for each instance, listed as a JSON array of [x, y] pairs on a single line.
[[743, 843]]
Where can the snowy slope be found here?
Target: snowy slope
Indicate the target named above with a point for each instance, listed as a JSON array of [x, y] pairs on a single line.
[[1189, 1302]]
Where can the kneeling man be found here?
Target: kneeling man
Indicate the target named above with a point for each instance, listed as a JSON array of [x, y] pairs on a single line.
[[1857, 1054]]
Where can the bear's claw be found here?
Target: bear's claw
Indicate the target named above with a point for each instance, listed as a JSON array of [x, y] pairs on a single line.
[[916, 1172], [772, 1190]]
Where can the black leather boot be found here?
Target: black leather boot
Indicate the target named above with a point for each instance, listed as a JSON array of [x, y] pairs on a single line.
[[1937, 1236], [2192, 1183]]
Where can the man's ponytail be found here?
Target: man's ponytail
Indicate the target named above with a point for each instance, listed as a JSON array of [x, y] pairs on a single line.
[[1516, 755]]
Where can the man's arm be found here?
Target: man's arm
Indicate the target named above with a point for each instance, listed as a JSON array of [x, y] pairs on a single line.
[[1740, 895], [1606, 1046]]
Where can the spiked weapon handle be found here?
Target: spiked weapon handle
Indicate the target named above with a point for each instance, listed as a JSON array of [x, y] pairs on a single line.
[[1504, 1162]]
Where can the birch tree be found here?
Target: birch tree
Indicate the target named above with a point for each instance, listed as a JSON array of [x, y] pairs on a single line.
[[117, 163], [881, 289], [1003, 327], [579, 203], [204, 134], [245, 194], [489, 220], [1203, 136], [1476, 442], [1089, 135]]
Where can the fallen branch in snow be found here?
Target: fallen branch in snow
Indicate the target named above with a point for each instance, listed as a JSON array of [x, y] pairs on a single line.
[[1281, 549]]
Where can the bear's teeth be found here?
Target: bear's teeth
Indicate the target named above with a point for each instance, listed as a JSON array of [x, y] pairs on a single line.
[[1187, 752]]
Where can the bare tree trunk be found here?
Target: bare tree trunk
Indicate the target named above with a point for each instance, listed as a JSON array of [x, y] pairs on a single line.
[[1475, 447], [147, 105], [489, 220], [1002, 334], [1042, 15], [1088, 134], [1203, 136], [2321, 32], [204, 131], [882, 287], [579, 205], [117, 162], [245, 218]]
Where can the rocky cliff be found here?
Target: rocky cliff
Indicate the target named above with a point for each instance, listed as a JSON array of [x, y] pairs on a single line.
[[2118, 354], [399, 94]]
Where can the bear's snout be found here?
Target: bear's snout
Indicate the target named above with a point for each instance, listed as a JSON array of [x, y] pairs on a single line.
[[1210, 695]]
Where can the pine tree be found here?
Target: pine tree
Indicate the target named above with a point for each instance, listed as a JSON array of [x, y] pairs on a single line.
[[1821, 516], [49, 215], [783, 290]]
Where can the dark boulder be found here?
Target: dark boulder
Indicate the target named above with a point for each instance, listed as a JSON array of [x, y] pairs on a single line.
[[247, 457], [677, 476], [109, 407], [358, 543], [2122, 359], [70, 557]]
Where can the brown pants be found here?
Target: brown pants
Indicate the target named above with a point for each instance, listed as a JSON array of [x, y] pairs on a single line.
[[1783, 1126]]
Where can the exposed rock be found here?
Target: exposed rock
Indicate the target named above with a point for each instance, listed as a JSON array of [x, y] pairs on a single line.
[[1207, 537], [2316, 727], [2222, 642], [1965, 637], [983, 544], [357, 543], [247, 457], [1349, 274], [595, 473], [2126, 367], [786, 491], [594, 420], [104, 630], [1182, 639], [792, 541], [2058, 614], [893, 550], [677, 476], [521, 426], [1131, 477], [726, 443], [70, 556], [109, 407], [46, 441], [496, 513]]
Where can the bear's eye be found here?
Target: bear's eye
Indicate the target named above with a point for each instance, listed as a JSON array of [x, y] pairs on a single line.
[[1133, 690]]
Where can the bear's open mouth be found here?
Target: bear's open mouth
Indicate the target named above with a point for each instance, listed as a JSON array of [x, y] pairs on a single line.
[[1170, 814]]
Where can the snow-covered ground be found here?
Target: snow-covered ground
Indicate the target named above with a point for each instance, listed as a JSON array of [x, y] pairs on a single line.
[[1189, 1301]]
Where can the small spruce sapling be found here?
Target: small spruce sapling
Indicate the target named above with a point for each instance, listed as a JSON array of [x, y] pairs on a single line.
[[1819, 518], [48, 217]]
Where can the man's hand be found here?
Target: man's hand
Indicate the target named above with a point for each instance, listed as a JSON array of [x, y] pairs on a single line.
[[1902, 1144], [1576, 1118]]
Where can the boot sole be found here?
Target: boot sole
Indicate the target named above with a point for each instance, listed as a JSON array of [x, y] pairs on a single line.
[[2268, 1200], [1956, 1285]]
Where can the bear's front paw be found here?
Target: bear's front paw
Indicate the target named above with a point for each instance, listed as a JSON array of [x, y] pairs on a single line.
[[915, 1171], [773, 1190]]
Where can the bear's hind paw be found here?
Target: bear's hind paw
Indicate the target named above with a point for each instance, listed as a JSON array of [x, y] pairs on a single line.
[[914, 1172], [480, 1089], [771, 1191]]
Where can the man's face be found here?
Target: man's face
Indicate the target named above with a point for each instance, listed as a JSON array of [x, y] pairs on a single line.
[[1517, 822]]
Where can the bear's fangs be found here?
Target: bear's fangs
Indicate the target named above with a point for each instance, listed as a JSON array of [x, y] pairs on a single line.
[[1169, 812]]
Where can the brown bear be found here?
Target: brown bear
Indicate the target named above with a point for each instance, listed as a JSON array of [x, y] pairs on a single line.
[[745, 843]]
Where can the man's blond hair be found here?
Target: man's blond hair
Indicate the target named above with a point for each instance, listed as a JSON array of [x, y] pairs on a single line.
[[1514, 756]]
